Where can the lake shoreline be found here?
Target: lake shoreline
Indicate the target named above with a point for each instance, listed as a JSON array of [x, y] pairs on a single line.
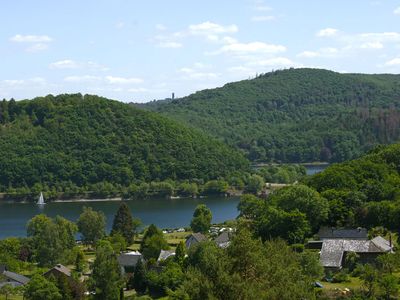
[[164, 213], [119, 199]]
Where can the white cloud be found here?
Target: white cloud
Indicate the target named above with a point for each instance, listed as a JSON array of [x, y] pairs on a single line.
[[138, 90], [308, 54], [198, 71], [16, 84], [123, 80], [397, 11], [372, 45], [251, 48], [37, 47], [30, 38], [36, 42], [263, 18], [260, 5], [203, 75], [276, 62], [165, 41], [120, 25], [212, 32], [13, 82], [327, 32], [240, 69], [38, 80], [161, 27], [207, 28], [72, 64], [393, 62], [65, 64], [111, 80], [228, 40], [327, 52], [378, 37], [169, 44], [82, 79]]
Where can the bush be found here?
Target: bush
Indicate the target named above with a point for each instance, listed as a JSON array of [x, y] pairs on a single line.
[[341, 276], [299, 248]]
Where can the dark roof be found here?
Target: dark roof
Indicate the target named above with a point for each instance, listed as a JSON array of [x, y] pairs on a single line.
[[224, 239], [198, 236], [129, 259], [382, 244], [333, 249], [334, 233], [60, 268], [16, 277]]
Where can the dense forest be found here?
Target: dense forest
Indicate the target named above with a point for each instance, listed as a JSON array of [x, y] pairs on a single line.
[[72, 141], [296, 115]]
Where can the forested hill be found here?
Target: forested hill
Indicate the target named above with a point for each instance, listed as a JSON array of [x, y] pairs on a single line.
[[363, 192], [75, 140], [296, 115]]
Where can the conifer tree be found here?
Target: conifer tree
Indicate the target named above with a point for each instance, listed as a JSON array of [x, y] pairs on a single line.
[[106, 277], [180, 253], [125, 224], [139, 278]]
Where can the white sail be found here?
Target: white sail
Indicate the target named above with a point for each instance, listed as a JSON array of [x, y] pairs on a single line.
[[41, 199]]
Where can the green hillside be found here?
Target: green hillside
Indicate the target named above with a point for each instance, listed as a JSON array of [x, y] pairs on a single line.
[[363, 192], [296, 115], [77, 141]]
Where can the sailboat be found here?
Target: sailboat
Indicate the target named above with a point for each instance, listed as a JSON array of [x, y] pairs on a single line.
[[41, 199]]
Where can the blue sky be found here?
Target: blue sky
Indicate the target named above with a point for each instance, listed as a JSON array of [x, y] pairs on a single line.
[[144, 50]]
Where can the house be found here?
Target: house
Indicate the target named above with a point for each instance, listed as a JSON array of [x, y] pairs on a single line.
[[11, 278], [334, 251], [223, 240], [129, 260], [164, 254], [194, 239], [343, 233], [337, 233], [57, 271]]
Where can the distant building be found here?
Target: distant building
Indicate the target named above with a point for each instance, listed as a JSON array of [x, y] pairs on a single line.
[[224, 239], [58, 271], [342, 233], [164, 254], [194, 239], [11, 278], [129, 260], [334, 251]]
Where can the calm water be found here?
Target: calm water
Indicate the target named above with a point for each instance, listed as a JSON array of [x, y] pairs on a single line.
[[314, 169], [165, 213]]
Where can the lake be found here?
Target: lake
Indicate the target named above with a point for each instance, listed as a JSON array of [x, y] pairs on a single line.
[[165, 213], [314, 169]]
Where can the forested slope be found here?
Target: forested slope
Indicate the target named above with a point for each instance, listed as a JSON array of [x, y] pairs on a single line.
[[363, 192], [296, 115], [76, 141]]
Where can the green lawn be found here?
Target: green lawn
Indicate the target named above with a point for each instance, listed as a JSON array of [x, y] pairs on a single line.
[[19, 297], [353, 284], [173, 239]]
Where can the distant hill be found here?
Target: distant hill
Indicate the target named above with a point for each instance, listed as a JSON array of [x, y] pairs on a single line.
[[296, 115], [83, 140]]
